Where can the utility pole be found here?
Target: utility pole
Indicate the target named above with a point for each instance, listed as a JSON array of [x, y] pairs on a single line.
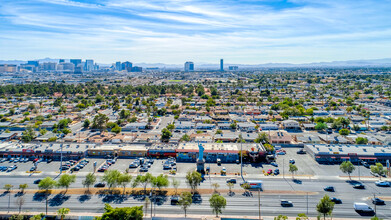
[[241, 157], [9, 200], [307, 203], [259, 203]]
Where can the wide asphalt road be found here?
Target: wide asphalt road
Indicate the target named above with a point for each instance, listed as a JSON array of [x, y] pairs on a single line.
[[238, 204]]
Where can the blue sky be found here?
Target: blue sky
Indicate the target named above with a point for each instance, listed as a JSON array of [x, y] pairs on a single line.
[[174, 31]]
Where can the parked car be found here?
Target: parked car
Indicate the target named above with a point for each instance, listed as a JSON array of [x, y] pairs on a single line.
[[3, 160], [359, 186], [144, 169], [329, 189], [276, 171], [232, 180], [3, 168], [11, 168], [336, 200], [377, 201], [133, 165], [301, 151], [100, 185], [274, 164], [292, 161], [33, 169], [280, 152], [286, 203]]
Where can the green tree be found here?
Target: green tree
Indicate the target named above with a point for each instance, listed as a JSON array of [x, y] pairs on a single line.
[[166, 135], [37, 217], [66, 180], [293, 168], [193, 179], [130, 213], [160, 181], [302, 216], [86, 123], [170, 127], [230, 186], [185, 201], [361, 140], [320, 126], [89, 181], [124, 179], [344, 132], [8, 187], [22, 187], [62, 212], [262, 138], [217, 203], [28, 135], [175, 183], [116, 129], [281, 217], [100, 121], [145, 180], [325, 206], [378, 169], [185, 138], [47, 184], [111, 178], [347, 167]]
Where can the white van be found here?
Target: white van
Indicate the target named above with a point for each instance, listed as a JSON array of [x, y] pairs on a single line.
[[362, 207], [254, 184]]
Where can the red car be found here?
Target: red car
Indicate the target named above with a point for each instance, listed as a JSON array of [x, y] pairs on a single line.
[[270, 171]]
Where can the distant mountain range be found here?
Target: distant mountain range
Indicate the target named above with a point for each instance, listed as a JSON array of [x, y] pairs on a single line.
[[386, 62]]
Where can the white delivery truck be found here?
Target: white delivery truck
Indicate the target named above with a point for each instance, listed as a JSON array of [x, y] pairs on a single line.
[[254, 184], [362, 207]]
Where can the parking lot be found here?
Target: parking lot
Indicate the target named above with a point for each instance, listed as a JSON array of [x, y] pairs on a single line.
[[306, 165]]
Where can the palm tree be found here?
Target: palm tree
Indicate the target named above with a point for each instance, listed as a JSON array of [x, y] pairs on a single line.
[[62, 212]]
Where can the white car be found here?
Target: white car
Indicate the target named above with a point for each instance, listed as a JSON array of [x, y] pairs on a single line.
[[382, 183]]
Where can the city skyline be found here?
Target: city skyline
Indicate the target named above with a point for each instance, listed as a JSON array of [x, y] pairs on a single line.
[[247, 32]]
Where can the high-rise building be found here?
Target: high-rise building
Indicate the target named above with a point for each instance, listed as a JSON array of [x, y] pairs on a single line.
[[61, 61], [118, 66], [137, 69], [50, 66], [66, 67], [89, 65], [127, 66], [75, 62], [189, 66], [8, 68], [233, 68], [221, 65], [33, 63]]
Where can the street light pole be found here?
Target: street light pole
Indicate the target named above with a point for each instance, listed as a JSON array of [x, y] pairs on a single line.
[[259, 202], [283, 168], [374, 204], [61, 160]]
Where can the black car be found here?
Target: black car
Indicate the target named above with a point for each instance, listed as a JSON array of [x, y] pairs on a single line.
[[286, 203], [359, 186], [377, 201], [174, 200], [75, 168], [301, 151], [37, 181], [329, 189], [232, 180], [336, 200], [100, 185]]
